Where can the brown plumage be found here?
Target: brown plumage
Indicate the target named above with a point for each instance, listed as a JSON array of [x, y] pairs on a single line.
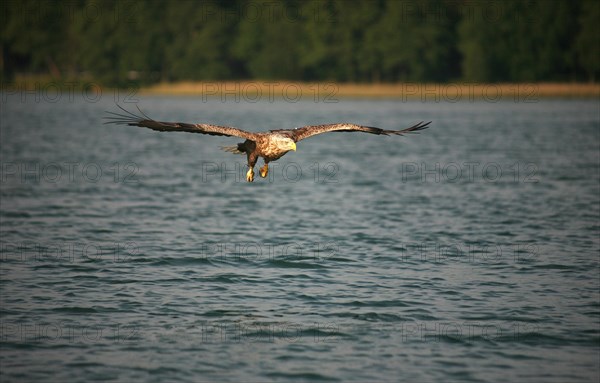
[[270, 145]]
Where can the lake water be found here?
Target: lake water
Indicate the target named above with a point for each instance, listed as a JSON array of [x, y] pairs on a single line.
[[469, 252]]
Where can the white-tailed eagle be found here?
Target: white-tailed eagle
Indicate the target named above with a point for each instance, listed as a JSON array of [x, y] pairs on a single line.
[[270, 145]]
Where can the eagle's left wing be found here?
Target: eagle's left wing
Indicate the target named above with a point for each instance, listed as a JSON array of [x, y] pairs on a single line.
[[309, 131]]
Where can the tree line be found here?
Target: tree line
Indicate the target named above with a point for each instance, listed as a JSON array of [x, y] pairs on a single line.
[[117, 42]]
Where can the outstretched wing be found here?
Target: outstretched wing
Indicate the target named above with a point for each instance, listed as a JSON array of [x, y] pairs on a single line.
[[129, 118], [309, 131]]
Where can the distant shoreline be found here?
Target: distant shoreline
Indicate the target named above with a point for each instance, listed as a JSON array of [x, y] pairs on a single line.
[[452, 92], [263, 90]]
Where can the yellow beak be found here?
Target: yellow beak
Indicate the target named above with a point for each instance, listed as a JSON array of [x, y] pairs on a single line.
[[293, 146]]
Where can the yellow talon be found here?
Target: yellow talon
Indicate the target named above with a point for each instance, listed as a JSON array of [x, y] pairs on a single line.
[[250, 175], [264, 171]]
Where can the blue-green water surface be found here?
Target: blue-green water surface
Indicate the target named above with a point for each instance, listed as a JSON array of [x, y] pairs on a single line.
[[467, 253]]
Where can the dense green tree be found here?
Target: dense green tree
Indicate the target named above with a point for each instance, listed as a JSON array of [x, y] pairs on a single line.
[[318, 48], [117, 42], [103, 39], [520, 41], [541, 40], [416, 41], [198, 41], [587, 44], [35, 37], [269, 38]]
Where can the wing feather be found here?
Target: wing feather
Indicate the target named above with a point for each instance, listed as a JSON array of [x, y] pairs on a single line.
[[312, 130], [129, 118]]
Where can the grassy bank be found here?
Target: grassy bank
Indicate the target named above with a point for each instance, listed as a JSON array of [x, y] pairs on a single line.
[[254, 91], [454, 92]]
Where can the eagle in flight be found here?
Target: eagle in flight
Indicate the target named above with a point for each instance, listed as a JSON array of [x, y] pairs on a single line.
[[270, 145]]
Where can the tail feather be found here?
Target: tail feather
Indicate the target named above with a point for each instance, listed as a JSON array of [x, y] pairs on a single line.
[[232, 149]]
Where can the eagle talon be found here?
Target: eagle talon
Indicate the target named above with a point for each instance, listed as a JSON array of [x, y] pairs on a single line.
[[264, 171], [250, 175]]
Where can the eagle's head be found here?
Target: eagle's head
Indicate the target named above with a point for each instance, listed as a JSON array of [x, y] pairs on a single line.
[[285, 144]]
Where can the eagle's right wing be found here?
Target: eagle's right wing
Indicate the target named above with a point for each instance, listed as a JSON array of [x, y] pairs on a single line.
[[144, 121]]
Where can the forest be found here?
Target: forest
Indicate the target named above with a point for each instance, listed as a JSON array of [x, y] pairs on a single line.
[[346, 41]]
